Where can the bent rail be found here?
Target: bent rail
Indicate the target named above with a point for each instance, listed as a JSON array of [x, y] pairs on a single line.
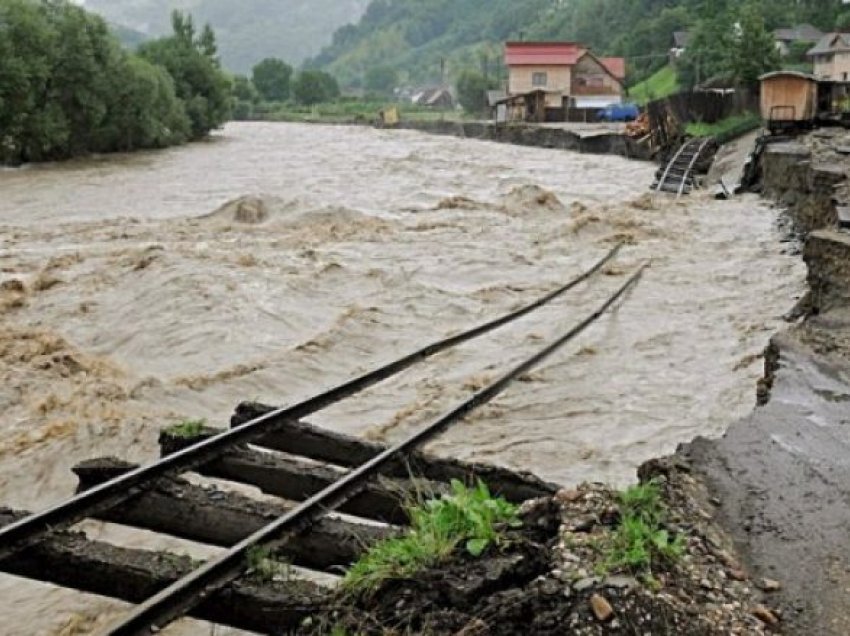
[[28, 530], [179, 597]]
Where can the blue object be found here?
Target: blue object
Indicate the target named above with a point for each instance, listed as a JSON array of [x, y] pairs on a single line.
[[619, 112]]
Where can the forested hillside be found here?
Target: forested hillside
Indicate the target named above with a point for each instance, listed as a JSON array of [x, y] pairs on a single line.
[[413, 36], [248, 30]]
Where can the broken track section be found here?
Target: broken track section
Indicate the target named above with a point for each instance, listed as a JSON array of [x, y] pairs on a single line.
[[218, 515]]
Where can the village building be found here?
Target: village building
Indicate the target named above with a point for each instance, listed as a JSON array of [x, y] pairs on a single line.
[[805, 33], [560, 77], [438, 97], [831, 57], [783, 37]]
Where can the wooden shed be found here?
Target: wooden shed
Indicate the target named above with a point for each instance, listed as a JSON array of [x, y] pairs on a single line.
[[788, 99]]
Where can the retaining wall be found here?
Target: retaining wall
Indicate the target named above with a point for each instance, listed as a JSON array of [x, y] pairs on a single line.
[[538, 136]]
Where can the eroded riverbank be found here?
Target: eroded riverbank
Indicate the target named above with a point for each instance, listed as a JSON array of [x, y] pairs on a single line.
[[140, 308], [782, 472]]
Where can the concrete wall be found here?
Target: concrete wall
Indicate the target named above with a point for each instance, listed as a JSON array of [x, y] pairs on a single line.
[[529, 135]]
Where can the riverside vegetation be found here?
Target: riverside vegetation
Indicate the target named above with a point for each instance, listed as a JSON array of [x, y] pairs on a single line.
[[67, 87]]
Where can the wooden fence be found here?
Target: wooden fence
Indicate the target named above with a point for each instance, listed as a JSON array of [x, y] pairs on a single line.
[[669, 116]]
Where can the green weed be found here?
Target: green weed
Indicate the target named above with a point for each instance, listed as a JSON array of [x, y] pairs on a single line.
[[640, 540], [725, 129], [471, 517], [187, 429], [262, 564]]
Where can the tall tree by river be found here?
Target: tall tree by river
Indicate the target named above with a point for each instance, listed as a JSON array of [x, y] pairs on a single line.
[[67, 87]]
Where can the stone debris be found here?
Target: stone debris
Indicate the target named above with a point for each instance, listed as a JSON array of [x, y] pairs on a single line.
[[602, 609], [765, 615]]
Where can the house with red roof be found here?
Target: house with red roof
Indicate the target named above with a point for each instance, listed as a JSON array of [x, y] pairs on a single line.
[[569, 74]]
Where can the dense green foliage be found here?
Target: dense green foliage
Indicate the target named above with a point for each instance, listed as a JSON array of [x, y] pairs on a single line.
[[272, 78], [381, 79], [315, 87], [472, 90], [248, 30], [68, 88], [414, 36], [468, 517], [191, 60]]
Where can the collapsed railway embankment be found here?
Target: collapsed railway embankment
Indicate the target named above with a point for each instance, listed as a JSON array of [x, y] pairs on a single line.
[[783, 472]]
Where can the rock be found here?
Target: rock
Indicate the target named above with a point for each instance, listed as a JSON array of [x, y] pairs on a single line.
[[585, 584], [728, 560], [566, 495], [736, 574], [765, 615], [602, 609], [621, 582], [769, 585], [476, 627]]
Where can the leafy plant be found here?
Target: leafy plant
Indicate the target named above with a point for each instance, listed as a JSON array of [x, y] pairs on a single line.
[[640, 540], [471, 517], [187, 429], [262, 564]]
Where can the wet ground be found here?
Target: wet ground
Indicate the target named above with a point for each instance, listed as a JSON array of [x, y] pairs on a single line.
[[782, 473], [142, 306]]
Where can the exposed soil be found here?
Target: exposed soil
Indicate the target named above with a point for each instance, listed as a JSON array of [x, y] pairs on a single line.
[[545, 580]]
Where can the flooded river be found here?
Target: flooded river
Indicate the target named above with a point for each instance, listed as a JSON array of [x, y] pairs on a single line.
[[143, 305]]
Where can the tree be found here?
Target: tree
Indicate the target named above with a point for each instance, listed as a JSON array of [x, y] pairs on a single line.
[[754, 49], [68, 88], [199, 83], [207, 44], [272, 78], [381, 79], [472, 90], [708, 53], [314, 87], [842, 22], [244, 89]]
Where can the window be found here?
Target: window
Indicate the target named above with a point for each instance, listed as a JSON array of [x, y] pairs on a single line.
[[539, 79]]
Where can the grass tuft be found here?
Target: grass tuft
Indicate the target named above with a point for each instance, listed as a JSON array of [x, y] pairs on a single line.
[[266, 568], [187, 429], [726, 129], [640, 540], [662, 84], [470, 517]]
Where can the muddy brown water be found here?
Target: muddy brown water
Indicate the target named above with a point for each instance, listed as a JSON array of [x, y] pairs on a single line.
[[145, 306]]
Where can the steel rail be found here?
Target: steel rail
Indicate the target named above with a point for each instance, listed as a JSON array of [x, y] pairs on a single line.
[[180, 597], [24, 532], [681, 151], [691, 165]]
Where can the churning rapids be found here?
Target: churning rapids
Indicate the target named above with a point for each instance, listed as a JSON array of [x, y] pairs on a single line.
[[142, 307]]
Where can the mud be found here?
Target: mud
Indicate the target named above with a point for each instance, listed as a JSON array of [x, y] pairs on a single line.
[[131, 298], [526, 585]]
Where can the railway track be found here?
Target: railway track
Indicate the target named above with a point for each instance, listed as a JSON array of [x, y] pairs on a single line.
[[679, 177], [287, 458]]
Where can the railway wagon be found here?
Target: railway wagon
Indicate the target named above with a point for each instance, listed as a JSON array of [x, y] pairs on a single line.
[[788, 100]]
